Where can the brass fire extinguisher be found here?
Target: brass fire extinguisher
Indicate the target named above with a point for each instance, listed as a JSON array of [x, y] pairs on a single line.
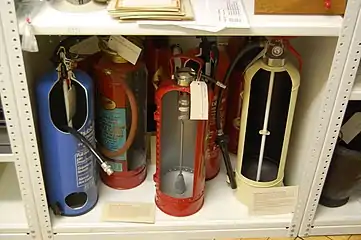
[[269, 99]]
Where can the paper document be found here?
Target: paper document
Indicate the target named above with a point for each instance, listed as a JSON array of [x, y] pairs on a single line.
[[211, 15]]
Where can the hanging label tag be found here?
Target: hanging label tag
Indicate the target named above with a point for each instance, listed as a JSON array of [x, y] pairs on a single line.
[[199, 100], [70, 102], [129, 212], [272, 201], [88, 46], [125, 48], [351, 128]]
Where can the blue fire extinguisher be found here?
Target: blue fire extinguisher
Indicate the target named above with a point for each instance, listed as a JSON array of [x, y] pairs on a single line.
[[66, 123]]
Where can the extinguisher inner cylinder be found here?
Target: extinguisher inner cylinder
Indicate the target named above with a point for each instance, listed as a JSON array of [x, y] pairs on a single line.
[[175, 123]]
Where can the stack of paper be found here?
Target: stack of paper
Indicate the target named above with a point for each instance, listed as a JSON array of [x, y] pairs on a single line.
[[174, 10]]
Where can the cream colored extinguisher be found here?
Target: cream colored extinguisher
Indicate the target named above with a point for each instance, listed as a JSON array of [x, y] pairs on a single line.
[[269, 99]]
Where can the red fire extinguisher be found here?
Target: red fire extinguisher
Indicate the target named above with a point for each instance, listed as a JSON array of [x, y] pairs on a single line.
[[121, 117], [216, 63], [180, 169]]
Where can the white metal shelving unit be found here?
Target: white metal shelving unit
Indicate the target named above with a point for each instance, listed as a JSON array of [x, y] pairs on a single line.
[[324, 48], [18, 217], [320, 220]]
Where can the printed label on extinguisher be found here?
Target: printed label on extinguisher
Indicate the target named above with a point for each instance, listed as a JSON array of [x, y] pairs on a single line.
[[84, 159], [113, 132]]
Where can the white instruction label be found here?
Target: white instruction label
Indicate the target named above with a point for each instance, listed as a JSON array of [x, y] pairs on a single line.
[[199, 100], [88, 46], [125, 48], [129, 212], [272, 201], [351, 128]]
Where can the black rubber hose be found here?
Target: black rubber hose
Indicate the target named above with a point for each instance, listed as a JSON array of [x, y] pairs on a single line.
[[230, 69], [83, 140], [222, 140]]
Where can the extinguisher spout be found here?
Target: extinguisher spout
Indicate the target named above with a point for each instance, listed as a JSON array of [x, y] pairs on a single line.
[[222, 142]]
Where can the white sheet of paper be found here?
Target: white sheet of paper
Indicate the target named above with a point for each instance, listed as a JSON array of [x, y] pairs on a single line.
[[129, 212], [210, 16], [272, 201]]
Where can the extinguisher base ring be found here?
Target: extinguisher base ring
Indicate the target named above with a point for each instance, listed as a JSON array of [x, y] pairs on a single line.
[[177, 208], [213, 175], [125, 180]]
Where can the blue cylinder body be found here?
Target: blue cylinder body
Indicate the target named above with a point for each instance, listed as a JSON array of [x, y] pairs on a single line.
[[70, 168]]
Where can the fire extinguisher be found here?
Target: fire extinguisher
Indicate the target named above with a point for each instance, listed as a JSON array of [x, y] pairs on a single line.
[[121, 117], [180, 169], [269, 99], [216, 63], [66, 123]]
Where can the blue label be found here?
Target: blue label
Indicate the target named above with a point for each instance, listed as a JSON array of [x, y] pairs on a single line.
[[84, 159], [113, 129]]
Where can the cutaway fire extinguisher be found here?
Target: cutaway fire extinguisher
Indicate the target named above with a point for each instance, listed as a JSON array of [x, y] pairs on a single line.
[[66, 122], [269, 99], [180, 141], [121, 117]]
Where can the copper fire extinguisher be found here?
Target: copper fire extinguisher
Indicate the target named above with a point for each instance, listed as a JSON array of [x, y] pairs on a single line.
[[180, 168], [121, 117]]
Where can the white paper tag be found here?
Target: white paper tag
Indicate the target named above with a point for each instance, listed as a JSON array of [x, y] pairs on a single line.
[[199, 100], [125, 48], [88, 46], [272, 201], [351, 128], [129, 212], [70, 102]]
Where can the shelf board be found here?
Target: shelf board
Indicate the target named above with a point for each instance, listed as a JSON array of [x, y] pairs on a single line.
[[48, 21], [356, 90], [221, 212], [12, 211]]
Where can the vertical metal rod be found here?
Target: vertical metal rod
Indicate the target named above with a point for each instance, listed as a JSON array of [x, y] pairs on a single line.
[[181, 147], [264, 131]]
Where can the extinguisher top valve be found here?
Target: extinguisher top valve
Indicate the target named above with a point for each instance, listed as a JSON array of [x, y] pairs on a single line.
[[185, 76], [275, 53]]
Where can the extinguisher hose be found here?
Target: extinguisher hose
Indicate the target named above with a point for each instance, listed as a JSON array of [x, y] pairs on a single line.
[[222, 139], [134, 124], [97, 155]]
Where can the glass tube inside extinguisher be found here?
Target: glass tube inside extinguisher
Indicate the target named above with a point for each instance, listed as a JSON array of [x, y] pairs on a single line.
[[178, 140]]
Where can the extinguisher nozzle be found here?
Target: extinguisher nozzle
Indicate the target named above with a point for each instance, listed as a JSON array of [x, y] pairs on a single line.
[[222, 142], [107, 168]]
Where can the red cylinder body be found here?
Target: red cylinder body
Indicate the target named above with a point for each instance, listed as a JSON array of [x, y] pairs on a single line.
[[121, 120], [178, 206], [234, 108], [212, 157]]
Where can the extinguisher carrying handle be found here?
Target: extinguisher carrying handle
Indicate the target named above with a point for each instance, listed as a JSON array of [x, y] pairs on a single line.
[[106, 168], [186, 59]]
